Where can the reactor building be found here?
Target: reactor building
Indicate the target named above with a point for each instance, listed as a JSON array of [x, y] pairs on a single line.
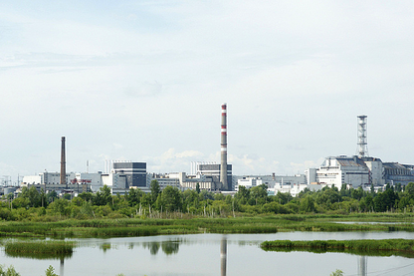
[[360, 170]]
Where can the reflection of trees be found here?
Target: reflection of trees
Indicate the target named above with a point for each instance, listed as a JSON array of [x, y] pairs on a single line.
[[154, 247], [170, 247], [105, 246]]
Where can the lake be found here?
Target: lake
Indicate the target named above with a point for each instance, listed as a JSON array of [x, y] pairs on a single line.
[[200, 254]]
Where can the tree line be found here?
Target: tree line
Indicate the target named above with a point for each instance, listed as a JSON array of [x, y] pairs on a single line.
[[34, 205]]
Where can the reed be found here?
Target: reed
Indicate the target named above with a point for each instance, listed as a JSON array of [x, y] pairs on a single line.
[[39, 247], [248, 224], [390, 245]]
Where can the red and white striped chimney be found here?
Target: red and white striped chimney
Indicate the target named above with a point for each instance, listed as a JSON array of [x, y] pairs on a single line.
[[223, 164]]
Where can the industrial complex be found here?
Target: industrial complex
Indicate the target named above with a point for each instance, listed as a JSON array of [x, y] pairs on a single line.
[[360, 170]]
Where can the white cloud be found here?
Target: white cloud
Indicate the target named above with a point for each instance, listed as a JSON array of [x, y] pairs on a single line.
[[173, 161], [151, 76]]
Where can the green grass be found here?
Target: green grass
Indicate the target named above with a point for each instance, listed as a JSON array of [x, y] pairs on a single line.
[[248, 224], [39, 247], [377, 247]]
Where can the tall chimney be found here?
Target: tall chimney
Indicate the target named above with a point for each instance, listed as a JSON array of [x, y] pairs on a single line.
[[63, 163], [362, 136], [223, 164]]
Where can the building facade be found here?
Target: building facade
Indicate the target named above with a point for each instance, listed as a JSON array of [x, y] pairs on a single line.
[[135, 173]]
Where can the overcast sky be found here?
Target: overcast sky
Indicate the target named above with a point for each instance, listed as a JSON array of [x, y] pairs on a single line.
[[145, 80]]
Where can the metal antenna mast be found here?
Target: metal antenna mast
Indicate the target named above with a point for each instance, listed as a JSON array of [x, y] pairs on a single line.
[[362, 136]]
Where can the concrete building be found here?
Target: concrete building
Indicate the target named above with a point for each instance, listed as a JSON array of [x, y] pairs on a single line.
[[248, 182], [164, 180], [343, 170], [135, 173], [271, 180], [363, 172], [49, 181], [212, 171], [205, 182], [398, 173], [376, 171], [49, 178]]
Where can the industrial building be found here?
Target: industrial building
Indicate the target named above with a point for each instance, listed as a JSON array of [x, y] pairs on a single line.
[[360, 170], [164, 180], [135, 173], [211, 172]]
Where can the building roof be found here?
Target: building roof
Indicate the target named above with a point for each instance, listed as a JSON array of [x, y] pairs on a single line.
[[354, 161], [393, 165]]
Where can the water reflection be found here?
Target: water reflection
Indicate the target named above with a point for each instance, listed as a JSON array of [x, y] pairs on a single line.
[[62, 266], [223, 255], [172, 255], [362, 265], [105, 246], [168, 247], [39, 256], [154, 247]]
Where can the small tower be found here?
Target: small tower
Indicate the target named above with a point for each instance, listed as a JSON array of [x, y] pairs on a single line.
[[362, 136]]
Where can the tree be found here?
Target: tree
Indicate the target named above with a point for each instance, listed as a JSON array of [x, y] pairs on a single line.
[[155, 189], [133, 197], [307, 204], [243, 195], [198, 188], [171, 198], [259, 194], [51, 196], [86, 196], [398, 187], [33, 196], [103, 196]]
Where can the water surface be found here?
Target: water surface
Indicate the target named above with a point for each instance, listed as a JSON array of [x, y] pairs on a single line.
[[201, 254]]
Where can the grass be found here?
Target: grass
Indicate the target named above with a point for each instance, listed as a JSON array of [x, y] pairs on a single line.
[[365, 247], [39, 247], [249, 224]]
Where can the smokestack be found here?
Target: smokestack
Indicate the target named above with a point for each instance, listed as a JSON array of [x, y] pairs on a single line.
[[223, 164], [63, 163], [223, 255], [362, 136]]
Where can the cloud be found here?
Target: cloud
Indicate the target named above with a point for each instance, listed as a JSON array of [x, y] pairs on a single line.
[[301, 167], [172, 161], [118, 146], [144, 89]]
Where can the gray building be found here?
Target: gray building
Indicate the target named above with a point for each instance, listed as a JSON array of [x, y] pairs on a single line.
[[135, 173], [398, 173], [213, 170]]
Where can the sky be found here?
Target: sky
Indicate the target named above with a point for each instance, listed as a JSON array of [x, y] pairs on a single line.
[[145, 80]]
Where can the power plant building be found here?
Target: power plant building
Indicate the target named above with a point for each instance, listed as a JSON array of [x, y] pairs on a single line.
[[343, 170], [135, 173], [356, 171]]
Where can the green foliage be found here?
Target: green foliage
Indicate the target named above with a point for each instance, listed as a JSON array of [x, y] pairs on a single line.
[[103, 196], [171, 199], [337, 273], [39, 247], [307, 204], [51, 271], [155, 190], [375, 247], [8, 271]]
